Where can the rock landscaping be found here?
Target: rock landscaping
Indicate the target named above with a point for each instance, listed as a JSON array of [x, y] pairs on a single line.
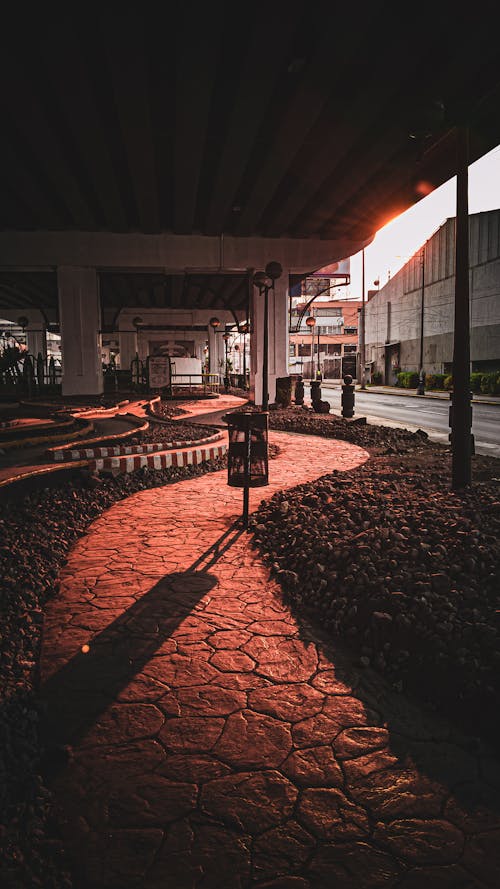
[[393, 560], [170, 431]]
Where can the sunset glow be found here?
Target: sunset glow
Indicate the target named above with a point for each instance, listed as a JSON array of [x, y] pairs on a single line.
[[403, 235]]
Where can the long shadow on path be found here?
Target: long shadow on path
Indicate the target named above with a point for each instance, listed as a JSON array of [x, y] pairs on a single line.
[[78, 693]]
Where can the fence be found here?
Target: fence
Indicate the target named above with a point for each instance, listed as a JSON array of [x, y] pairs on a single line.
[[23, 374]]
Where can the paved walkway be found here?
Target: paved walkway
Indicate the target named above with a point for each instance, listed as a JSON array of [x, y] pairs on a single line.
[[206, 738]]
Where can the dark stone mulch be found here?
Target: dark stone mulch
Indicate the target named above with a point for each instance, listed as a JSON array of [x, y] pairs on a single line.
[[391, 559]]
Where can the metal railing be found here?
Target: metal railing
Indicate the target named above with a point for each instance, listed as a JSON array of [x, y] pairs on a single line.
[[209, 382]]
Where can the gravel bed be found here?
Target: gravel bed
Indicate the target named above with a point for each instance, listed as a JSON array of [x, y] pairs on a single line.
[[376, 439], [176, 430], [390, 559], [167, 410]]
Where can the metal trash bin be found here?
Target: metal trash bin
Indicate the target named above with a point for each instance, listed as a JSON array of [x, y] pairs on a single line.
[[247, 456]]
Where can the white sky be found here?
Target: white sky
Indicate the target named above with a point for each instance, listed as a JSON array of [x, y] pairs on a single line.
[[402, 237]]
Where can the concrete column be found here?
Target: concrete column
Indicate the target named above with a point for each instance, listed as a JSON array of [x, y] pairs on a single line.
[[278, 331], [36, 340], [278, 338], [80, 318], [256, 345], [216, 349], [127, 340]]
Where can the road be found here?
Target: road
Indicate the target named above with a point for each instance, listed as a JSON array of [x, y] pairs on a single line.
[[430, 414]]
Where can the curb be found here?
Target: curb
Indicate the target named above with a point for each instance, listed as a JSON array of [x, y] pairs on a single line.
[[164, 460], [36, 473], [118, 436], [45, 439], [126, 450]]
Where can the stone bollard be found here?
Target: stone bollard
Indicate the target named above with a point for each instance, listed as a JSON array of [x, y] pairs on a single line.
[[315, 391], [299, 391], [348, 397], [319, 406]]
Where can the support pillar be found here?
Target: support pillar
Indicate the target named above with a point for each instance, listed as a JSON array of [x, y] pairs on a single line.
[[80, 319], [36, 340], [278, 332], [278, 338], [213, 350], [127, 344]]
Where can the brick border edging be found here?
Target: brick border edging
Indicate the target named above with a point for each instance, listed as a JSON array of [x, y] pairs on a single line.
[[118, 436], [128, 450], [164, 460]]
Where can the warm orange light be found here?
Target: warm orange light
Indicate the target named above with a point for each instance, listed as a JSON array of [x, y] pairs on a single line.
[[85, 649], [423, 188]]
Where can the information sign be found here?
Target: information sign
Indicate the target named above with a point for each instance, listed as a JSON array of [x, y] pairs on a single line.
[[159, 372]]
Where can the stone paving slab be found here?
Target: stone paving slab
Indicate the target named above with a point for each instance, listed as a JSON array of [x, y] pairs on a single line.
[[204, 736]]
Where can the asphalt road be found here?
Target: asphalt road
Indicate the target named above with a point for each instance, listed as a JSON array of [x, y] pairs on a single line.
[[430, 414]]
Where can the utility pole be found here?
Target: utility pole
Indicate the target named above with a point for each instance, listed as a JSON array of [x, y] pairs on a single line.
[[362, 325], [462, 443], [421, 382], [318, 372]]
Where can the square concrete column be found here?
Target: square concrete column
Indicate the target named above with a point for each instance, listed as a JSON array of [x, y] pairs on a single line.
[[80, 318], [128, 347], [278, 330], [213, 350], [36, 340], [277, 338]]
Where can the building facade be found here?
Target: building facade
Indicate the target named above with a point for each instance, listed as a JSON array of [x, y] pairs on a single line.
[[412, 316], [330, 346]]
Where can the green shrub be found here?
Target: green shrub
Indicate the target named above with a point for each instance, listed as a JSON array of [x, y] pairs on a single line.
[[448, 382], [407, 379], [490, 383], [434, 381], [475, 382], [377, 377]]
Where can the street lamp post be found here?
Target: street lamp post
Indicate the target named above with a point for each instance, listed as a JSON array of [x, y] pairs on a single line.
[[311, 321], [362, 338], [244, 330], [225, 337], [214, 324], [421, 379]]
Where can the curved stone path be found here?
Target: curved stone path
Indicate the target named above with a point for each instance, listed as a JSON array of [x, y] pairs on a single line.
[[205, 738]]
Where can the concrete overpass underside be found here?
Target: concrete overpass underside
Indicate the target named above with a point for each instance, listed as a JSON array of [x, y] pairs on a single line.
[[150, 162]]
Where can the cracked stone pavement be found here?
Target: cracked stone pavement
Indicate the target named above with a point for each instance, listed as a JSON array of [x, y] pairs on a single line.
[[213, 739]]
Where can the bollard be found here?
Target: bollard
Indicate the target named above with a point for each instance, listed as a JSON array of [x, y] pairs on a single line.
[[319, 406], [347, 398], [299, 391], [315, 391]]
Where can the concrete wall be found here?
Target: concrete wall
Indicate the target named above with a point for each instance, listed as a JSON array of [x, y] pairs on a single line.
[[393, 314]]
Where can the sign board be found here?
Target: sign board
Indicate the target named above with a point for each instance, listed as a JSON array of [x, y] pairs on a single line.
[[159, 372], [340, 269]]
